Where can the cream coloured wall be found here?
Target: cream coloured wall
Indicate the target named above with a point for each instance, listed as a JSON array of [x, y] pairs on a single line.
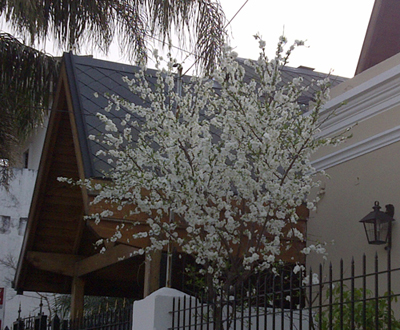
[[365, 76], [365, 129], [364, 169], [348, 195], [359, 103]]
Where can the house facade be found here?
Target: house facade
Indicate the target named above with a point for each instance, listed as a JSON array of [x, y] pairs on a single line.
[[364, 169], [15, 200]]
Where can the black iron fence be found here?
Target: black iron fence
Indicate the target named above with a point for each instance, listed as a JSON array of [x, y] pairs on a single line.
[[323, 300], [113, 319], [38, 322], [118, 319]]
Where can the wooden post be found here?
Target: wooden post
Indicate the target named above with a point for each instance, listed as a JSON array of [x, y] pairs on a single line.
[[77, 294], [152, 273]]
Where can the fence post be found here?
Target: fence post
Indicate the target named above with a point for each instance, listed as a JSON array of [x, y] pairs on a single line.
[[18, 325], [40, 322], [55, 323], [155, 311]]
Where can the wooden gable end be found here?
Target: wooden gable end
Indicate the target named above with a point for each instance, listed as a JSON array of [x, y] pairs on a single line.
[[55, 219], [59, 245]]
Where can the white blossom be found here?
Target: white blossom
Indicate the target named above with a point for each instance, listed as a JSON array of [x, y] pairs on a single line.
[[231, 165]]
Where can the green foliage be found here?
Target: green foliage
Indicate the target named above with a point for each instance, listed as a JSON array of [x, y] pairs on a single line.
[[134, 24], [27, 76], [344, 304]]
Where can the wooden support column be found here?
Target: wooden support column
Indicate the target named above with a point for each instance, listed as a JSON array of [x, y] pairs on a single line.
[[152, 273], [77, 294]]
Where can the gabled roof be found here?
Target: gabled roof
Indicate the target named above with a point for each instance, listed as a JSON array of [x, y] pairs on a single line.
[[58, 243], [91, 79], [308, 74]]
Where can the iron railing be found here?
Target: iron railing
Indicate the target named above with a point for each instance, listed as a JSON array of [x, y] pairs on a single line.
[[113, 319], [348, 300], [118, 319]]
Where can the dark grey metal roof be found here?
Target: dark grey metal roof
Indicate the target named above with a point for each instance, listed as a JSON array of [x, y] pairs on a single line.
[[91, 79], [289, 73]]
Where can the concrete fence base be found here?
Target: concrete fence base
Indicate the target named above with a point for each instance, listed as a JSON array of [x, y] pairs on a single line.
[[154, 311]]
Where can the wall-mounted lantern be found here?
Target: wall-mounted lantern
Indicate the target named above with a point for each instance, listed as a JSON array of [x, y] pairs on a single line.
[[378, 225]]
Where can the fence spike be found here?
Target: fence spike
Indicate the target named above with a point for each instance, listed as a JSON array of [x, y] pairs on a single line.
[[352, 292], [320, 296], [341, 294], [376, 292], [330, 296]]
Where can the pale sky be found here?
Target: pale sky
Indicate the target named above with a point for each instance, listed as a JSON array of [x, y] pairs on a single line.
[[334, 31]]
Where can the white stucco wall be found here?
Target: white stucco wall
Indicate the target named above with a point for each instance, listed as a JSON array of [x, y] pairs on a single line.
[[34, 144], [154, 311], [15, 203]]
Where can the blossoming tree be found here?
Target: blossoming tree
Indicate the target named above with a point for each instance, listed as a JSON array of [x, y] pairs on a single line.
[[219, 166]]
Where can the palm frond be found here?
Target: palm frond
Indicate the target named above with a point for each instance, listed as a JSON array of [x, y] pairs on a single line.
[[27, 77], [74, 23], [199, 21]]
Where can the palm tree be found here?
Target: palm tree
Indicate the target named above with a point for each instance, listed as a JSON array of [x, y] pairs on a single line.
[[26, 77], [26, 74]]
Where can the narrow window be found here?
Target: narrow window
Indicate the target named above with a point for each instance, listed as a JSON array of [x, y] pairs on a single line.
[[22, 226], [26, 158], [5, 224]]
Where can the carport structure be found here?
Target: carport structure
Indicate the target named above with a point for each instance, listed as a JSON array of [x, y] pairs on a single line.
[[59, 252]]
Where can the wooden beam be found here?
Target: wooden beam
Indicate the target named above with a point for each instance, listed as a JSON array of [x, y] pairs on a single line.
[[152, 273], [54, 262], [77, 266], [102, 260], [77, 295]]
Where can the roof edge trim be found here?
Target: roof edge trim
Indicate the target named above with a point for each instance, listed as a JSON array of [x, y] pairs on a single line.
[[78, 114]]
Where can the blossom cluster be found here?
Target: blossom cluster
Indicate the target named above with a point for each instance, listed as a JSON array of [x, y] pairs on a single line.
[[218, 165]]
